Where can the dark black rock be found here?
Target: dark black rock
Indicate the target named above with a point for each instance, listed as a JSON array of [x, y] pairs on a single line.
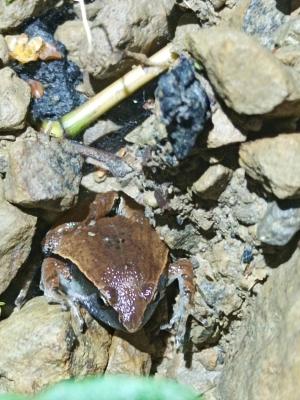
[[247, 255], [39, 28], [59, 79], [184, 106]]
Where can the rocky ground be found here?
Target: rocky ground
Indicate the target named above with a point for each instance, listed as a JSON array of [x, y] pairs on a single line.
[[222, 189]]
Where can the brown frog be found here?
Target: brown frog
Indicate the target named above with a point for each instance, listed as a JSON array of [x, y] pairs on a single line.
[[114, 264]]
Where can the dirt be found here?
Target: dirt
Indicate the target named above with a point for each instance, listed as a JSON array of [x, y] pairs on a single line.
[[209, 150]]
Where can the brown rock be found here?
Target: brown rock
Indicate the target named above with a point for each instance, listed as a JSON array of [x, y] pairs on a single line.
[[126, 358], [252, 88], [123, 32], [174, 366], [212, 183], [209, 358], [275, 162], [265, 359], [42, 174], [54, 352], [16, 232], [14, 100]]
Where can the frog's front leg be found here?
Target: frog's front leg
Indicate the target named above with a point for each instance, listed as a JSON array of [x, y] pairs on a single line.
[[182, 271], [53, 270]]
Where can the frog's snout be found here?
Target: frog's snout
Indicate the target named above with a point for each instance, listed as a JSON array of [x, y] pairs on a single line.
[[132, 325]]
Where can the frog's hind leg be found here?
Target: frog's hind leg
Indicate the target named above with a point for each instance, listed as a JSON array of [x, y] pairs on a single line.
[[52, 269]]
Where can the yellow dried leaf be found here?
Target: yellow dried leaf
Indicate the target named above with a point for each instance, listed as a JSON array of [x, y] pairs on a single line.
[[25, 49]]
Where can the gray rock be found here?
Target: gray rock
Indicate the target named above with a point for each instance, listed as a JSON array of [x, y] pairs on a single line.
[[4, 57], [278, 225], [1, 190], [3, 160], [289, 55], [42, 347], [202, 218], [149, 133], [212, 183], [289, 33], [262, 19], [287, 40], [264, 361], [275, 163], [245, 206], [15, 13], [97, 131], [223, 131], [109, 183], [123, 32], [222, 298], [187, 239], [42, 173], [14, 100], [263, 87], [16, 232], [174, 366], [225, 258]]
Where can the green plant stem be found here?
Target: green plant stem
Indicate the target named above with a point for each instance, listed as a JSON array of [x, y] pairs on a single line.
[[73, 123]]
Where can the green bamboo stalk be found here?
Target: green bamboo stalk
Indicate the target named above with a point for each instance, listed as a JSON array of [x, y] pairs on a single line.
[[73, 123]]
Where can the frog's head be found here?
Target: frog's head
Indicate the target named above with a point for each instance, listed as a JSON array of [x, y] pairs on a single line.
[[130, 296]]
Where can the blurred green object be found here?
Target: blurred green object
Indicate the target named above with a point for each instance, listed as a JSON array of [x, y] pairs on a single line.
[[7, 2], [118, 387]]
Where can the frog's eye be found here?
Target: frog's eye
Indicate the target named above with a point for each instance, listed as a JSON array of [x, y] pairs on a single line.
[[146, 292], [104, 300], [156, 296]]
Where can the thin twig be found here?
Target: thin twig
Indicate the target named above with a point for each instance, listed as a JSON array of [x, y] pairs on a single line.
[[73, 123], [86, 25], [108, 161]]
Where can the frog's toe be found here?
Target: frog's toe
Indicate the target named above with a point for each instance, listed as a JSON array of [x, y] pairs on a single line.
[[76, 314], [55, 297]]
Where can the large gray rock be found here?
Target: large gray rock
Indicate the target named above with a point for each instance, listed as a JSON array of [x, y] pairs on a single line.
[[14, 100], [16, 232], [251, 88], [17, 11], [258, 18], [117, 27], [42, 173], [275, 162], [262, 19], [279, 224], [264, 363], [40, 346]]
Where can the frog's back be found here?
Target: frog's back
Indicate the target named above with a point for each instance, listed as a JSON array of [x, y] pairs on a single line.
[[116, 247]]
